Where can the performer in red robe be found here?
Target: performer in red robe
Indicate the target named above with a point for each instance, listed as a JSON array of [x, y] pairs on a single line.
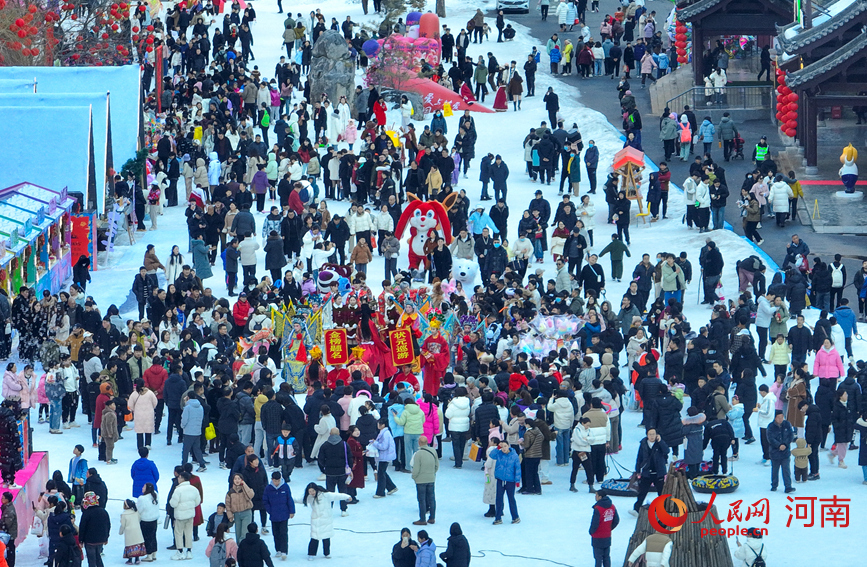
[[338, 373], [405, 375], [435, 353], [501, 102]]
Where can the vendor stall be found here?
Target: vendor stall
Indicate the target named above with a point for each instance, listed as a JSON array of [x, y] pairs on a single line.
[[35, 238]]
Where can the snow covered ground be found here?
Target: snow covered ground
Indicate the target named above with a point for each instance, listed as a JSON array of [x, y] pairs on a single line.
[[554, 526]]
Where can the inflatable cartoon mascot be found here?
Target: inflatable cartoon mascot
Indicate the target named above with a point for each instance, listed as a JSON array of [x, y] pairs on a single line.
[[849, 171], [427, 220]]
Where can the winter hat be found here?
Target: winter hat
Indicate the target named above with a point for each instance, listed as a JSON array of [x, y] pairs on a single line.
[[684, 119], [90, 499], [105, 389], [673, 116]]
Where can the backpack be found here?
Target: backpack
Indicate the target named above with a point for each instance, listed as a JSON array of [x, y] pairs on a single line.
[[257, 326], [266, 120], [218, 555], [836, 275], [759, 561]]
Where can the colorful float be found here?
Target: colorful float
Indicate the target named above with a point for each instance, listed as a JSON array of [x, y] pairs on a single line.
[[35, 238], [397, 63]]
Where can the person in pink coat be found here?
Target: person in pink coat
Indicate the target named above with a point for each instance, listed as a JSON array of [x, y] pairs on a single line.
[[776, 388], [142, 403], [350, 134], [12, 388], [429, 408], [828, 364], [40, 394]]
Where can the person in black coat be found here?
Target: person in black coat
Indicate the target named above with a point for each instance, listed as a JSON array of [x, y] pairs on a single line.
[[252, 551], [337, 232], [67, 553], [748, 396], [402, 554], [719, 434], [651, 464], [95, 484], [256, 478], [500, 217], [668, 423], [843, 428], [495, 261], [457, 554], [813, 434]]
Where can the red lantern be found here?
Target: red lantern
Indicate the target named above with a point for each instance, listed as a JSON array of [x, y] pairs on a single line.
[[790, 132], [149, 49], [149, 41], [793, 97], [104, 35], [779, 117], [115, 27], [792, 106], [34, 51], [75, 56], [33, 30], [123, 5], [135, 38], [32, 9], [19, 22], [22, 33], [141, 8], [681, 60], [25, 52], [135, 29], [792, 124], [149, 28]]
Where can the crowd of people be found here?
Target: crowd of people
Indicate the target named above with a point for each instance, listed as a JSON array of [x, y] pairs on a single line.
[[227, 385]]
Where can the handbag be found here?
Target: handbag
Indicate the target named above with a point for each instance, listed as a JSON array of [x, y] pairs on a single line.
[[475, 452], [210, 432], [539, 234]]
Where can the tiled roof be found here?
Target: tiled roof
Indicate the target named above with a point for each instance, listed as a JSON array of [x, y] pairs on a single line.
[[696, 8], [828, 63], [804, 38]]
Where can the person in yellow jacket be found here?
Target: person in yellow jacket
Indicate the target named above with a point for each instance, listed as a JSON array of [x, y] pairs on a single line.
[[568, 55], [797, 193]]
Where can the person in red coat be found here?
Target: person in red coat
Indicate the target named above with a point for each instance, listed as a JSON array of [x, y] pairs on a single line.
[[517, 381], [435, 354], [154, 378], [357, 463], [379, 109], [241, 313]]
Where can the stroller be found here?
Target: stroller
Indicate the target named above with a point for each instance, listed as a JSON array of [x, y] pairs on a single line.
[[738, 147]]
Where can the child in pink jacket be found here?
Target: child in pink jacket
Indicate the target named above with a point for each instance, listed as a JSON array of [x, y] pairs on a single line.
[[431, 418]]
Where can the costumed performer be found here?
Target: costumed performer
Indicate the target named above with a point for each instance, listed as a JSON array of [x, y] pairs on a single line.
[[435, 352], [377, 354], [315, 370], [357, 363], [295, 357]]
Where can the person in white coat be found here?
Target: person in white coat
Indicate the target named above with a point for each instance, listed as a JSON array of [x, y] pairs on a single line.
[[175, 265], [564, 417], [656, 550], [765, 415], [184, 501], [130, 529], [586, 213], [779, 197], [308, 244], [702, 205], [319, 500], [345, 115], [752, 548], [458, 416], [322, 429], [148, 505], [406, 111], [359, 400]]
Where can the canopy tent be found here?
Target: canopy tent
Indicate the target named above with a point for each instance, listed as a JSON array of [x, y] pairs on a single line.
[[101, 120], [42, 156]]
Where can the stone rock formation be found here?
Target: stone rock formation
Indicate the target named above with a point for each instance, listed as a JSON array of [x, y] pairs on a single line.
[[332, 70]]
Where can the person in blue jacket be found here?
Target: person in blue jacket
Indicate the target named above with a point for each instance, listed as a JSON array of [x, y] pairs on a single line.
[[425, 552], [508, 475], [143, 471], [77, 473], [846, 317], [279, 504], [479, 219]]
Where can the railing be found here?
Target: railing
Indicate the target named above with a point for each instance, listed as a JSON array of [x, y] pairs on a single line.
[[729, 98]]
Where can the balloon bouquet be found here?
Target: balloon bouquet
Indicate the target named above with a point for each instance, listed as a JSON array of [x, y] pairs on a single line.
[[551, 333], [397, 61]]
